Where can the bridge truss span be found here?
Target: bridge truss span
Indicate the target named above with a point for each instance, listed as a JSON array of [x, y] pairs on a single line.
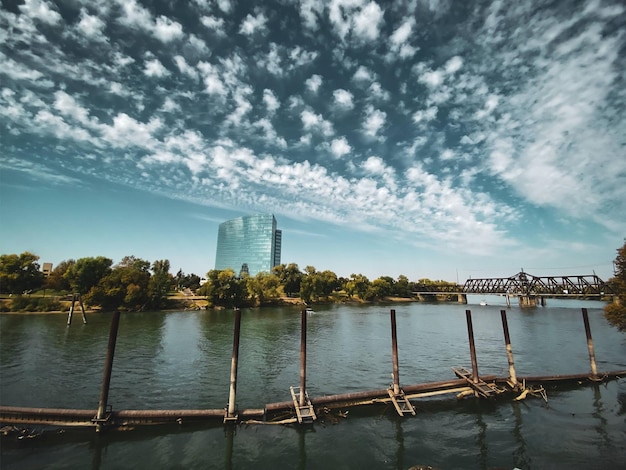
[[526, 284]]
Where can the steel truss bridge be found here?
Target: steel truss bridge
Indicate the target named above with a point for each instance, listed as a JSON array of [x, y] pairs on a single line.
[[524, 284]]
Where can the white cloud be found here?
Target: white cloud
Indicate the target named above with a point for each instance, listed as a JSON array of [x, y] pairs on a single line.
[[134, 14], [340, 147], [91, 26], [184, 67], [40, 10], [270, 100], [252, 24], [425, 115], [127, 132], [213, 23], [343, 98], [316, 122], [374, 121], [310, 12], [363, 74], [313, 83], [167, 30], [453, 65], [368, 21], [212, 81], [154, 68], [361, 19]]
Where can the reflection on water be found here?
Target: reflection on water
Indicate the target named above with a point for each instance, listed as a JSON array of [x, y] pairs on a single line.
[[182, 360]]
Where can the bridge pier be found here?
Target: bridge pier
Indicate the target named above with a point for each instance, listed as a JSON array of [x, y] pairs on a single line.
[[462, 298], [527, 301]]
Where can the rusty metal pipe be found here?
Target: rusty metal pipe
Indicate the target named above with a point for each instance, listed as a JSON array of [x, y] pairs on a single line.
[[592, 356], [108, 367], [509, 349], [233, 365], [394, 354], [470, 333], [303, 358]]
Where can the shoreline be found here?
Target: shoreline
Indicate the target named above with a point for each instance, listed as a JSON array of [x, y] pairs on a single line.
[[292, 303]]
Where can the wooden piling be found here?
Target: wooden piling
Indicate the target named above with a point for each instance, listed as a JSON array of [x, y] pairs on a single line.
[[76, 297], [106, 375], [302, 400], [230, 412], [592, 356], [394, 354], [509, 349], [470, 333]]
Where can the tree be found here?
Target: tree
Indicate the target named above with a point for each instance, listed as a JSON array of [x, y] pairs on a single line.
[[264, 287], [19, 274], [402, 287], [56, 280], [161, 282], [125, 287], [225, 289], [358, 284], [615, 312], [290, 277], [87, 273]]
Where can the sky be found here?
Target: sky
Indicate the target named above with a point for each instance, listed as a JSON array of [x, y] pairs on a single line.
[[428, 138]]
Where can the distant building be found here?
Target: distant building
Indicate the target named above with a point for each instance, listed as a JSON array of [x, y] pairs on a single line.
[[249, 244], [47, 269]]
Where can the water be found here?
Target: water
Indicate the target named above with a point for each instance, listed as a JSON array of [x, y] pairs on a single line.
[[181, 360]]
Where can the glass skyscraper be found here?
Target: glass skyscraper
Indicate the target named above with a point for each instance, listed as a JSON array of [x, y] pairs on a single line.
[[249, 243]]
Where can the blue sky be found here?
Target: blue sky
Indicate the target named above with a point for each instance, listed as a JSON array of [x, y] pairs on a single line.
[[428, 138]]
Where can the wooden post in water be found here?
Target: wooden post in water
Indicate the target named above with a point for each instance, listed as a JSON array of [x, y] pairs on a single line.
[[302, 400], [470, 332], [394, 354], [76, 297], [230, 412], [108, 368], [509, 350], [592, 356]]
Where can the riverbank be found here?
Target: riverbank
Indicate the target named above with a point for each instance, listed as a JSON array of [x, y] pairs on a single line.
[[178, 303]]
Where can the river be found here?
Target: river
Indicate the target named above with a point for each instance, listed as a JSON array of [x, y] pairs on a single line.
[[181, 360]]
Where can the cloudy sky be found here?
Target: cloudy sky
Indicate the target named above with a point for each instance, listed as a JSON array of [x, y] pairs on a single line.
[[429, 138]]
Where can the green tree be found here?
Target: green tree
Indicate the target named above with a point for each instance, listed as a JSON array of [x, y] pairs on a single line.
[[615, 312], [357, 284], [264, 287], [224, 288], [87, 273], [19, 274], [290, 277], [57, 280], [161, 282], [125, 287], [402, 287]]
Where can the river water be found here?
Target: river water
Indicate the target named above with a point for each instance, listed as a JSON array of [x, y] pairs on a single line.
[[181, 360]]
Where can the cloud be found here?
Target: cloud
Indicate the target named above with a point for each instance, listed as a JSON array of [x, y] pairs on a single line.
[[40, 10], [368, 21], [340, 147], [315, 122], [167, 30], [252, 24], [310, 13], [374, 121], [154, 68], [313, 83], [91, 26], [213, 23], [343, 98], [270, 100], [362, 20]]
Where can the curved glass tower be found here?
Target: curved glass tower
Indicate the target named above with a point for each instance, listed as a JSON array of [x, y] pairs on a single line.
[[251, 242]]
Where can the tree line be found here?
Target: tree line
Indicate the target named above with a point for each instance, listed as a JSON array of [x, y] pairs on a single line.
[[137, 284]]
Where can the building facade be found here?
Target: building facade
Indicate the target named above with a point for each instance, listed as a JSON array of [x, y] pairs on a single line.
[[249, 244]]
